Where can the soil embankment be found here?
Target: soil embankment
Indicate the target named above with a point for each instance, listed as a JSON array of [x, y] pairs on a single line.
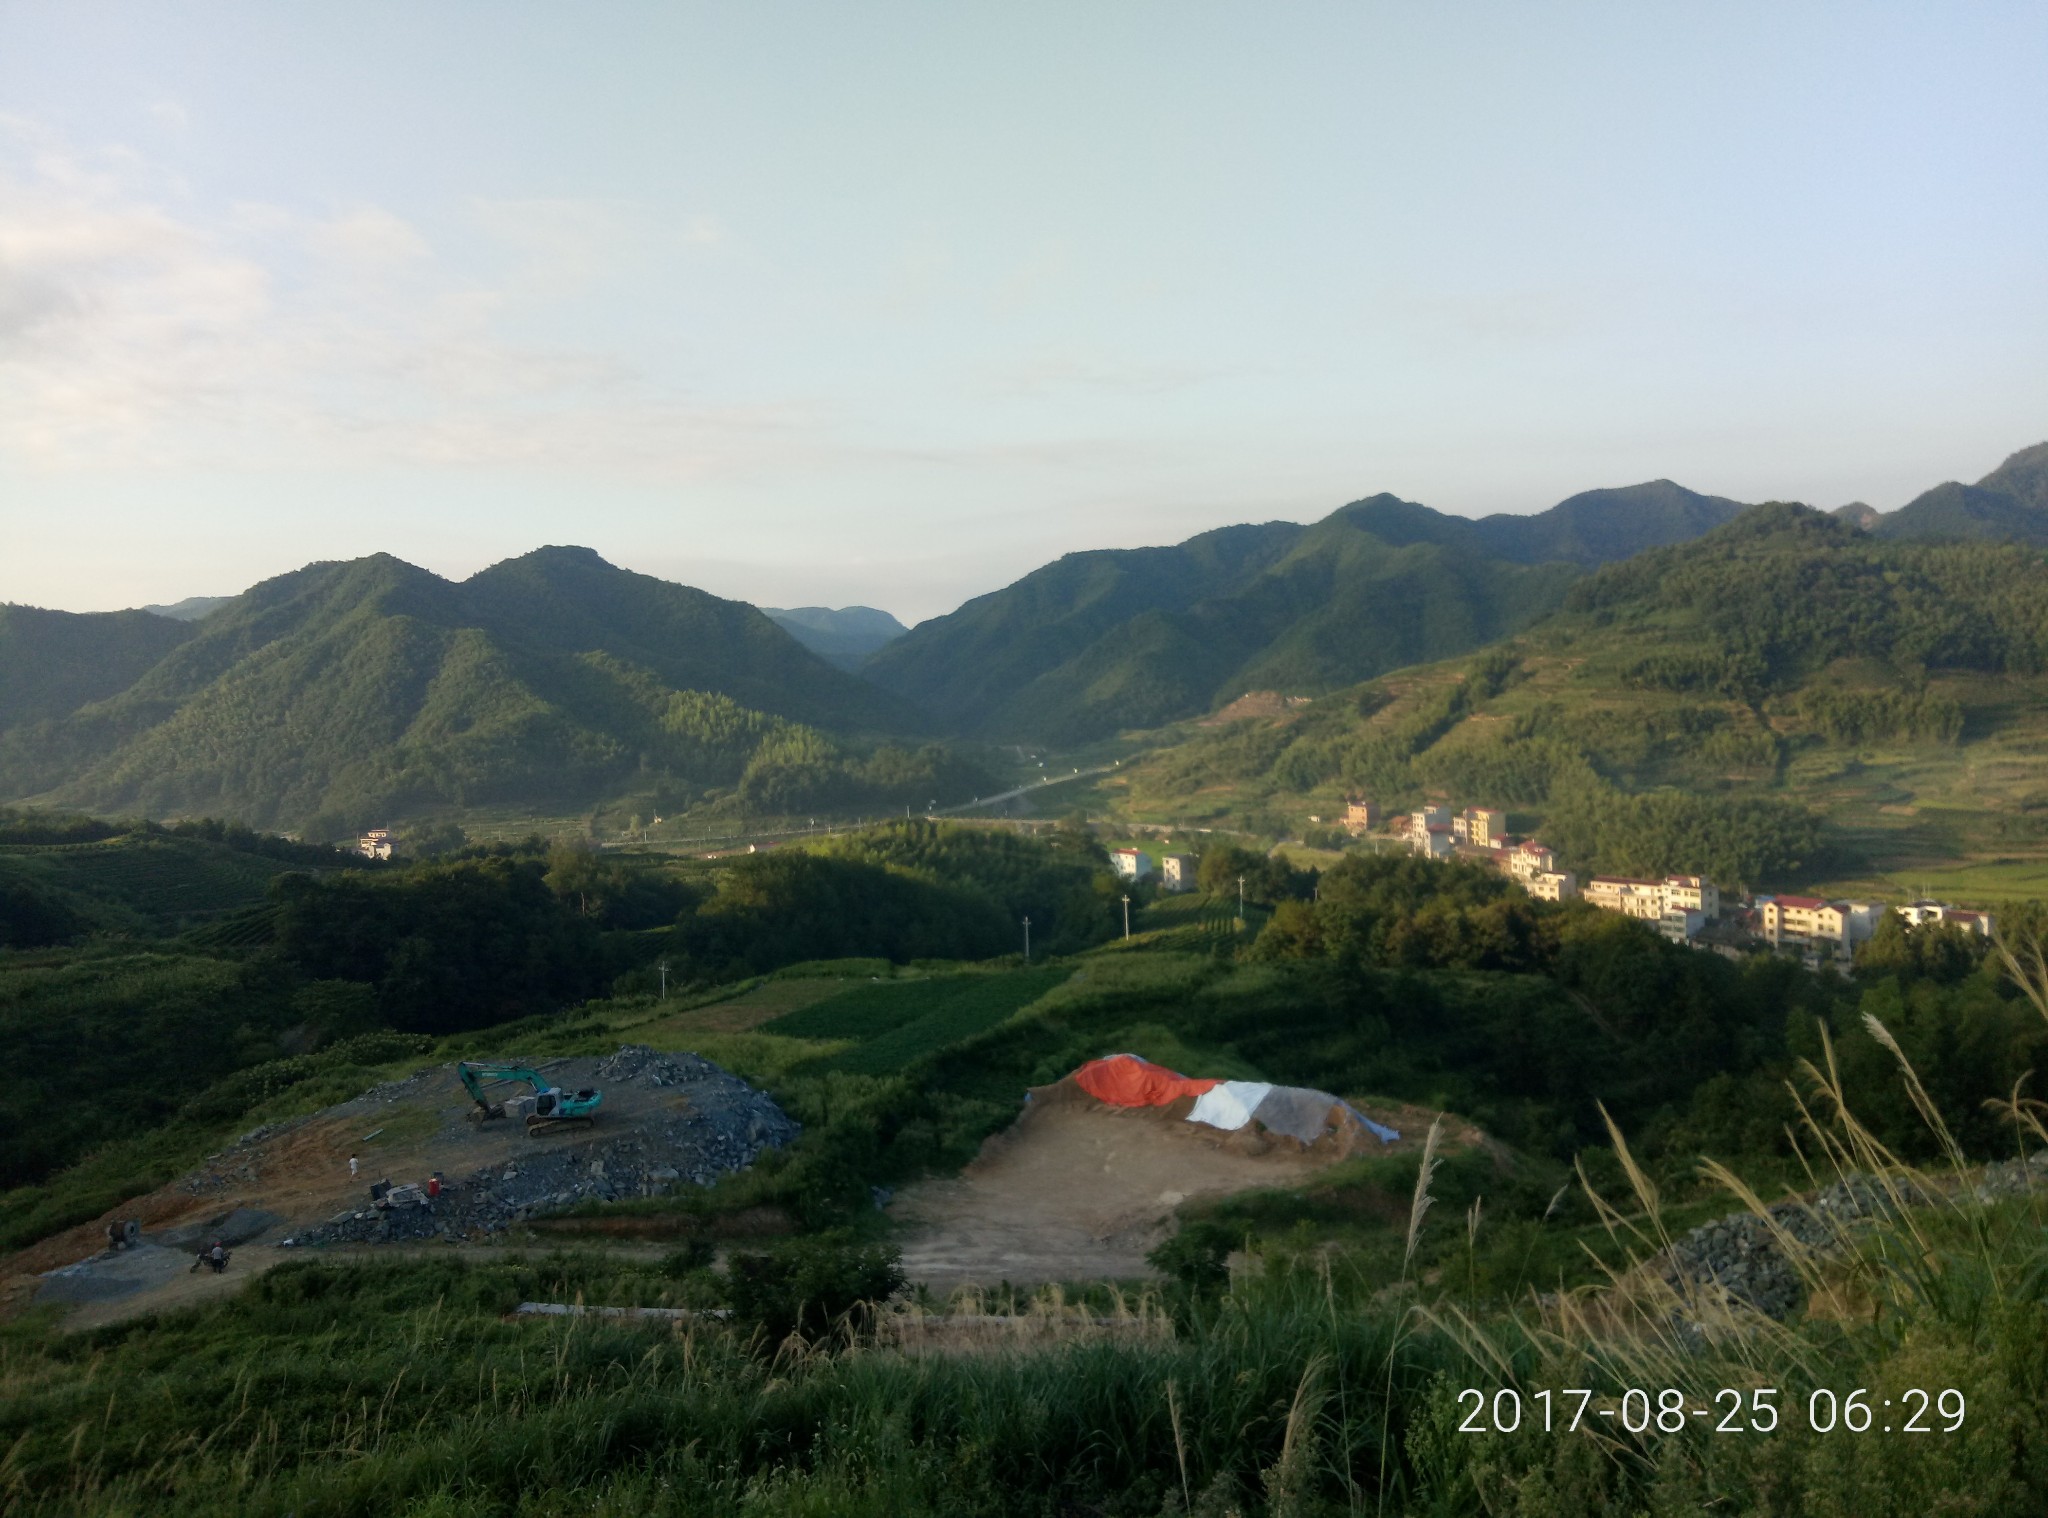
[[1077, 1190]]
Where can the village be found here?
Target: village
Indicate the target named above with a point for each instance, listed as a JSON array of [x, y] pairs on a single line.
[[1685, 909]]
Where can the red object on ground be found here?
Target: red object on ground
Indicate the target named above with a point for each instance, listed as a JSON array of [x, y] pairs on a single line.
[[433, 1185], [1124, 1080]]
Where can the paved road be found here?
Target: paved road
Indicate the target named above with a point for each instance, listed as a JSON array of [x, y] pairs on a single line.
[[1023, 790]]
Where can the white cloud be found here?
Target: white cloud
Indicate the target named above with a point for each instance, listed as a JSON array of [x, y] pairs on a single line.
[[368, 236], [139, 332]]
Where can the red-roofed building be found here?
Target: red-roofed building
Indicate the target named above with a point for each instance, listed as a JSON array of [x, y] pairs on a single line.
[[1807, 922]]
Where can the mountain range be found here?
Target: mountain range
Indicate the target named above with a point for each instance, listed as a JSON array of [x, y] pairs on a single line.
[[1132, 638], [346, 692], [339, 691]]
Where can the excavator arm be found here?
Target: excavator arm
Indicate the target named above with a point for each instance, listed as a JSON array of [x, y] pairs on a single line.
[[552, 1104]]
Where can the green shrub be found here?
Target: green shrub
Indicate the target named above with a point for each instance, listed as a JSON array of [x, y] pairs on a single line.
[[811, 1286]]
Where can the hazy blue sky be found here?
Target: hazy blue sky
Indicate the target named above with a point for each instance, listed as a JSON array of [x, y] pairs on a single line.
[[890, 303]]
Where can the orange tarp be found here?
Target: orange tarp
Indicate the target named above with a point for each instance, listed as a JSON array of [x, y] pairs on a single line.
[[1124, 1080]]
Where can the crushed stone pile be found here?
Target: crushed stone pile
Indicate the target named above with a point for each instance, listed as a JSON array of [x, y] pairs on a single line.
[[724, 1127], [2014, 1177], [1741, 1255]]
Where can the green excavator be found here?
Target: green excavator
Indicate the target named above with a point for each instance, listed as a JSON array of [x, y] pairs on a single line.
[[552, 1106]]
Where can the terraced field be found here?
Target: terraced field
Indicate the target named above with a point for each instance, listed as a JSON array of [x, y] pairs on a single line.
[[160, 877]]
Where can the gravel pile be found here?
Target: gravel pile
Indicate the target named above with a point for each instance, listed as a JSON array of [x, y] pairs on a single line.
[[725, 1127], [2013, 1178], [1740, 1253]]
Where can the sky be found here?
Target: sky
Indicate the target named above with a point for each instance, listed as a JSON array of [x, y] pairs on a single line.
[[889, 304]]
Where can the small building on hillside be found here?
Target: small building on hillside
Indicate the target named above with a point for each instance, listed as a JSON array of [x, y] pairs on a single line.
[[1815, 926], [1131, 864], [1681, 925], [1360, 816], [1642, 899], [1429, 817], [1177, 871], [1552, 885], [1481, 826], [1530, 858], [375, 844], [1434, 841], [1692, 893], [1918, 912]]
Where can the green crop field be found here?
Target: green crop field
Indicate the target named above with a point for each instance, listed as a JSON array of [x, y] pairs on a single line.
[[892, 1023], [162, 877]]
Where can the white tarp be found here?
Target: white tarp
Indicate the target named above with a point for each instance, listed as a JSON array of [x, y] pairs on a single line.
[[1229, 1104], [1297, 1111]]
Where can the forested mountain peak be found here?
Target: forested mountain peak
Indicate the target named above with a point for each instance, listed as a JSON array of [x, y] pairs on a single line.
[[2023, 476], [1599, 526], [1119, 638], [329, 696]]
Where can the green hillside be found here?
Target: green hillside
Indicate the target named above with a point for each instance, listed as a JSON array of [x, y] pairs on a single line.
[[54, 662], [1784, 701], [340, 694], [1124, 638]]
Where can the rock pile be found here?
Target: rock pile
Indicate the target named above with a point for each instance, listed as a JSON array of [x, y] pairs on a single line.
[[2013, 1178], [723, 1127], [1740, 1253]]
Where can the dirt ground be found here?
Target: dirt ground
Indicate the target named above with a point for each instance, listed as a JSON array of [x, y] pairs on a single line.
[[1075, 1190]]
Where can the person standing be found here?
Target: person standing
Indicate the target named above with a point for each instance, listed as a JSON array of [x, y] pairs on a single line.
[[351, 1167]]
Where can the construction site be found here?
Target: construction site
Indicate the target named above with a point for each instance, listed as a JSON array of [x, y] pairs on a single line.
[[1080, 1186]]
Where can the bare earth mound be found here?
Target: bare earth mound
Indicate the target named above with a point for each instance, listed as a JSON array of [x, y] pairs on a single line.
[[1076, 1190]]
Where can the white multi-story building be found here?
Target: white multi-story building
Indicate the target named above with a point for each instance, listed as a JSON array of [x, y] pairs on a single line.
[[1131, 864], [1808, 922], [1691, 893], [1650, 900], [1177, 871], [1433, 841], [375, 844], [1482, 826], [1642, 899], [1680, 924], [1529, 858], [1552, 885]]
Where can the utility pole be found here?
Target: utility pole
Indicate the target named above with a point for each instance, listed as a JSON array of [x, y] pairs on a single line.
[[1127, 917], [1240, 901], [1027, 940], [663, 967]]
